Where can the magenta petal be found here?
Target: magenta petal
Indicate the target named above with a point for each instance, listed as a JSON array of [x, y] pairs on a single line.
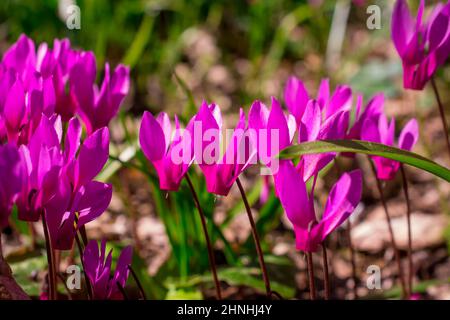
[[402, 26], [296, 97], [324, 93], [342, 201], [293, 195], [14, 110], [207, 119], [371, 132], [152, 138], [409, 135], [93, 156], [340, 101], [12, 173], [164, 122], [311, 122], [73, 137], [95, 199], [277, 121], [122, 269]]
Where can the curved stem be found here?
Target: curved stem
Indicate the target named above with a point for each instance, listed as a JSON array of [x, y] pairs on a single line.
[[326, 277], [391, 231], [212, 261], [136, 279], [442, 113], [408, 218], [122, 291], [50, 261], [256, 239], [312, 286]]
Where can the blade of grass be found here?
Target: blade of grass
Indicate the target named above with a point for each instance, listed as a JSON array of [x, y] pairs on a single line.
[[370, 148]]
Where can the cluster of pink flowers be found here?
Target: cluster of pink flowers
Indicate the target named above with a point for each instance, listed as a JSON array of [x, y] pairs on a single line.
[[46, 168], [326, 117]]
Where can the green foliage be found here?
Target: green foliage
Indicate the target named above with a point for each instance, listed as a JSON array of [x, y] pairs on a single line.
[[370, 148]]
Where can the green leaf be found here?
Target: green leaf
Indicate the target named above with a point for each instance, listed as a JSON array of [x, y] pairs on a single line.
[[140, 42], [370, 148], [184, 294], [251, 277], [23, 271]]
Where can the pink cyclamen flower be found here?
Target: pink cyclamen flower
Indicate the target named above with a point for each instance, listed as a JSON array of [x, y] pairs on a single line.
[[170, 152], [98, 265], [221, 169], [324, 118], [297, 98], [373, 110], [312, 128], [55, 64], [44, 162], [299, 205], [80, 199], [66, 80], [59, 181], [381, 131], [273, 130], [423, 47], [22, 102], [11, 177], [97, 106]]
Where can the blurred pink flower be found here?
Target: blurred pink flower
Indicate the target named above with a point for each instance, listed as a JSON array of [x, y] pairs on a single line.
[[97, 106], [423, 47], [380, 131]]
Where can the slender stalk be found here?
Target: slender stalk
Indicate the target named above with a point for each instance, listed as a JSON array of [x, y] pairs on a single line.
[[256, 239], [352, 259], [122, 291], [136, 279], [391, 232], [442, 113], [50, 261], [83, 233], [212, 261], [408, 218], [326, 277], [86, 279], [32, 231], [312, 286]]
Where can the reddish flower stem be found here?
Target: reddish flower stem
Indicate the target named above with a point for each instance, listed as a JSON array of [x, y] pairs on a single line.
[[122, 291], [53, 295], [212, 260], [326, 277], [408, 218], [391, 232], [442, 113], [312, 286], [256, 239], [136, 279]]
